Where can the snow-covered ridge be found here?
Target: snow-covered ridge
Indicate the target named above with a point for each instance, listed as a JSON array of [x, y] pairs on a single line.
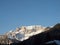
[[25, 32]]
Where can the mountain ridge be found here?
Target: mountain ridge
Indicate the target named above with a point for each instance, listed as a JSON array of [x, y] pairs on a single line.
[[24, 35], [26, 31]]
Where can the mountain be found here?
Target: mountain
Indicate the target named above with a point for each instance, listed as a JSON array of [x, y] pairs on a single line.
[[32, 35], [25, 32], [49, 37]]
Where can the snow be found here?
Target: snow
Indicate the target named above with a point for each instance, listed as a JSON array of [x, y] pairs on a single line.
[[56, 41], [29, 27], [23, 35]]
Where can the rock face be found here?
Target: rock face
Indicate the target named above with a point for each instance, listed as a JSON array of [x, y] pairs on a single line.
[[4, 40], [36, 35]]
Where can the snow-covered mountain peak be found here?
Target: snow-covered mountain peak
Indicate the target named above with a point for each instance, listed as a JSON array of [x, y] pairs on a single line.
[[25, 32]]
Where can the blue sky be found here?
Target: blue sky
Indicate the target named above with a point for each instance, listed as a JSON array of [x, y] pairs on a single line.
[[15, 13]]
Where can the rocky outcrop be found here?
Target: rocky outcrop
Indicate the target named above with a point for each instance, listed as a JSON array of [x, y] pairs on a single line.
[[4, 40]]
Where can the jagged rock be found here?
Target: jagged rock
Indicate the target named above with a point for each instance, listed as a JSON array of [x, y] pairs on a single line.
[[4, 40]]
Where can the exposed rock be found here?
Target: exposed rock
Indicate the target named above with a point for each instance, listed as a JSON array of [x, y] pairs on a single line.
[[4, 40]]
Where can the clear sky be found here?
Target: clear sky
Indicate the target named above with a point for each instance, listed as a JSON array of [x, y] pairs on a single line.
[[15, 13]]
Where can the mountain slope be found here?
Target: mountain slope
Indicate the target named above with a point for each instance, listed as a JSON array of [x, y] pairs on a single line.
[[25, 32], [32, 35], [49, 37]]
